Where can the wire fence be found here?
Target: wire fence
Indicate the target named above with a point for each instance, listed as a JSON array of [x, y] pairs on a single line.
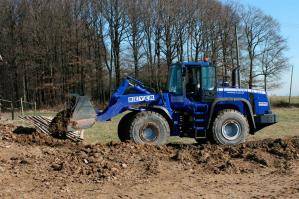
[[17, 107]]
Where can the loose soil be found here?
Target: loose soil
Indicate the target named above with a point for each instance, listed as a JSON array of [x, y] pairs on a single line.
[[34, 165]]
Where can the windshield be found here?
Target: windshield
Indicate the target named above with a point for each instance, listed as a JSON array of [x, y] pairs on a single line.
[[175, 80], [208, 78]]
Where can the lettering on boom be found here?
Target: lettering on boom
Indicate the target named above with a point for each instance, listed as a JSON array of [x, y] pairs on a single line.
[[146, 98]]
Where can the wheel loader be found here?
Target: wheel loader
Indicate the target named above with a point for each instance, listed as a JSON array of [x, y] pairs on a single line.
[[195, 105]]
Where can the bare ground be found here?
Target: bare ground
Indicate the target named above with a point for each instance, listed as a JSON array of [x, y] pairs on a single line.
[[36, 166]]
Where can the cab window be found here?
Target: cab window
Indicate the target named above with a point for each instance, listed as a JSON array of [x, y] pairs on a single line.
[[175, 80], [208, 78]]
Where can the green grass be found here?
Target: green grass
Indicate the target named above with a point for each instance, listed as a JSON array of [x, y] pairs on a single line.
[[107, 132], [6, 117], [288, 125], [43, 113], [283, 101], [103, 132]]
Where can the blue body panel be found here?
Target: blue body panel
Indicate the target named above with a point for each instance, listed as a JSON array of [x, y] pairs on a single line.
[[257, 98]]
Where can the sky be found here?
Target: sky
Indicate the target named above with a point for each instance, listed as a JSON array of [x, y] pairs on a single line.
[[286, 12]]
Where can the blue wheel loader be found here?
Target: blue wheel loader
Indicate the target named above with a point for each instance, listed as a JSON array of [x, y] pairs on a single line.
[[195, 105]]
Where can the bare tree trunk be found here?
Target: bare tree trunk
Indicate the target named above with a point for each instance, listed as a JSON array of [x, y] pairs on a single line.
[[250, 81], [168, 46], [265, 83], [150, 57], [158, 55]]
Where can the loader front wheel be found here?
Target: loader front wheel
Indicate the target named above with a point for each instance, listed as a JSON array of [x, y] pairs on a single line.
[[149, 128], [124, 126], [230, 127]]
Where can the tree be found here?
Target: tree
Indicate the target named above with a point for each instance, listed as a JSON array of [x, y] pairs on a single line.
[[134, 31], [263, 44], [53, 48], [114, 14], [272, 61]]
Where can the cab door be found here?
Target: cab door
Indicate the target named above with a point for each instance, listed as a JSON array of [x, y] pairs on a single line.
[[208, 83], [175, 86], [200, 83]]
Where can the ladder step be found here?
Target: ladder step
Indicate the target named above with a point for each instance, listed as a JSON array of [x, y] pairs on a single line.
[[199, 128], [199, 120], [199, 113]]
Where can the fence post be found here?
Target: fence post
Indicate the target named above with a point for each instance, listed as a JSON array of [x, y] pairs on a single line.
[[12, 111], [34, 108], [22, 108]]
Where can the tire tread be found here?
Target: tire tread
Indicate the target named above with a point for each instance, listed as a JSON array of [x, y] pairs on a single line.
[[143, 116], [219, 118]]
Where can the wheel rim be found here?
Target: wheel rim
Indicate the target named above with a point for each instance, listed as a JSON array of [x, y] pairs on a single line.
[[149, 133], [231, 130]]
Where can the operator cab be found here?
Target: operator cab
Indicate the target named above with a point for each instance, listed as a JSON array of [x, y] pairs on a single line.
[[193, 80]]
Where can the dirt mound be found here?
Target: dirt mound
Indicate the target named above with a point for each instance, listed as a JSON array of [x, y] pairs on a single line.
[[58, 125], [25, 135], [97, 163], [247, 157], [6, 130], [32, 164]]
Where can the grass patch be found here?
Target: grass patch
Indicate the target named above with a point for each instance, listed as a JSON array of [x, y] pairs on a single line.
[[105, 132], [283, 102], [288, 125]]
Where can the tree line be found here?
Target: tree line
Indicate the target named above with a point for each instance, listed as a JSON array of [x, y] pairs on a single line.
[[52, 48]]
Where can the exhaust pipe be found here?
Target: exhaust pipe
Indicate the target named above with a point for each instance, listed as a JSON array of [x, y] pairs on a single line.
[[236, 82]]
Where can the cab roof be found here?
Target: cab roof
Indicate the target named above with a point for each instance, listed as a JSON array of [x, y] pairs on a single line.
[[196, 64]]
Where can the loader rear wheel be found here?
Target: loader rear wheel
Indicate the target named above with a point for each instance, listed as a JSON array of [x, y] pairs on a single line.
[[124, 126], [149, 128], [230, 127]]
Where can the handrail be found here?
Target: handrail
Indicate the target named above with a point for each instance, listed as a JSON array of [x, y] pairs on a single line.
[[140, 83], [135, 80]]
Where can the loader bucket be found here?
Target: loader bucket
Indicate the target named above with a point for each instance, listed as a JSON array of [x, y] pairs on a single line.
[[83, 114], [68, 123]]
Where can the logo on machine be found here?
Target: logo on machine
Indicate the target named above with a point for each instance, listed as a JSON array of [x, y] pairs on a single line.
[[146, 98], [263, 103]]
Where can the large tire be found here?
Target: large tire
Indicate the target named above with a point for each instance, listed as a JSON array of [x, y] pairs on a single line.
[[149, 128], [124, 126], [230, 128]]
